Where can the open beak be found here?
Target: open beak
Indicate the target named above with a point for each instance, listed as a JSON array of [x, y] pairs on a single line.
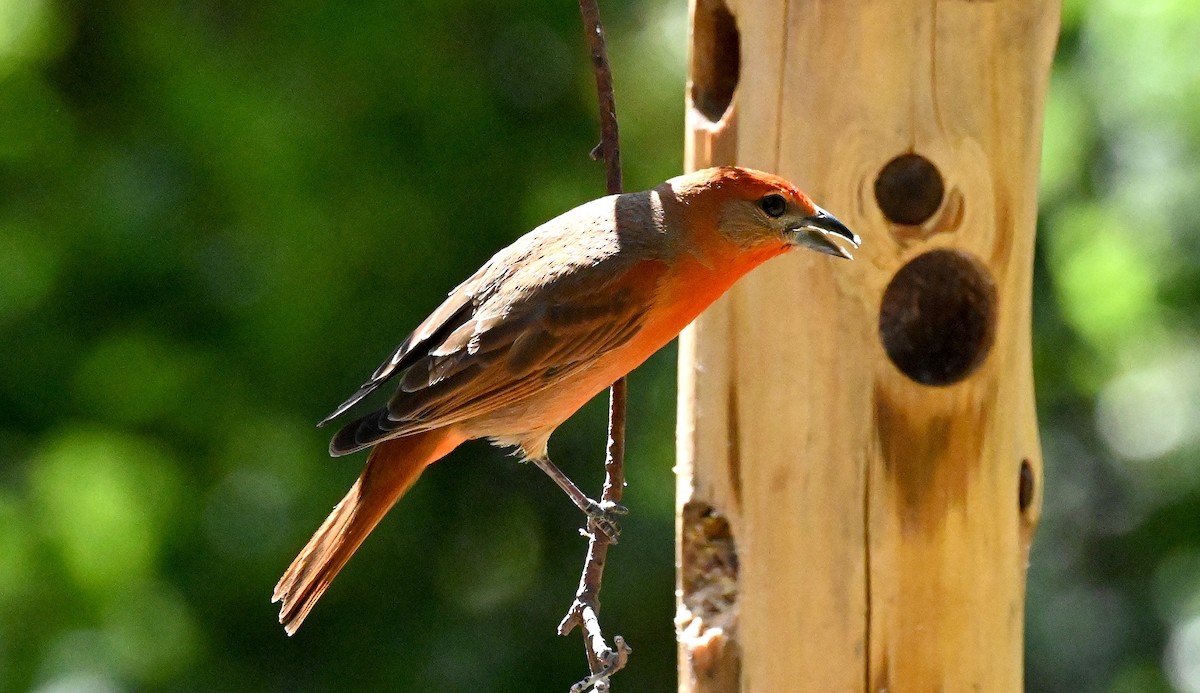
[[817, 231]]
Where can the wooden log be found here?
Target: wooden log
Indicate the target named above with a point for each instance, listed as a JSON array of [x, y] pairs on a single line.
[[859, 466]]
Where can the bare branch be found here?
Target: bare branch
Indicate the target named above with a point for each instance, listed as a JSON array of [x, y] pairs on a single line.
[[602, 659], [609, 148]]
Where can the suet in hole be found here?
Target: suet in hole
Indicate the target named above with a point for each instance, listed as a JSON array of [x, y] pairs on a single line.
[[938, 315], [909, 189]]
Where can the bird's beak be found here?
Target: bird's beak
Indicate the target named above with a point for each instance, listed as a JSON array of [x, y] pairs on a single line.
[[816, 231]]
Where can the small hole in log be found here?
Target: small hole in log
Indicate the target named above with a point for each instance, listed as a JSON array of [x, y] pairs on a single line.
[[938, 316], [716, 58], [909, 189], [1025, 487], [708, 616]]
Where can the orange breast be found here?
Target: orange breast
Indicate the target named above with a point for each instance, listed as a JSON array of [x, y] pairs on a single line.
[[685, 291]]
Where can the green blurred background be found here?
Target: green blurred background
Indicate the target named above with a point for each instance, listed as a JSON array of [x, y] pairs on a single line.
[[216, 218]]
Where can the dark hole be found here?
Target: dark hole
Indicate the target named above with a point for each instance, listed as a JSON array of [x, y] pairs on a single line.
[[716, 58], [909, 189], [1025, 486], [938, 317]]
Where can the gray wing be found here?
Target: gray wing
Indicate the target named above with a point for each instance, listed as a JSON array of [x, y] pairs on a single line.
[[507, 351], [448, 317]]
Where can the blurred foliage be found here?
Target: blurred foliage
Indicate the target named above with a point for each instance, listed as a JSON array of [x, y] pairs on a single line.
[[1114, 581], [217, 217]]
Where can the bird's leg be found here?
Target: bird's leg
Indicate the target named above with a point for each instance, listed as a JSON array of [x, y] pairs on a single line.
[[602, 516]]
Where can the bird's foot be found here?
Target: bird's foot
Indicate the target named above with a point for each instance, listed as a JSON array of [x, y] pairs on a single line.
[[611, 661], [602, 517]]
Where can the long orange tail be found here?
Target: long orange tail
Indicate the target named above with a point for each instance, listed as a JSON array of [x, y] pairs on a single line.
[[391, 469]]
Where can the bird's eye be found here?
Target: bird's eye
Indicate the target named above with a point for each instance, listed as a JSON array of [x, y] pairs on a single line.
[[773, 205]]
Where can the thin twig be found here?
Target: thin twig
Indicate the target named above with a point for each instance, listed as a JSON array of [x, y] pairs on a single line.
[[610, 146], [603, 660]]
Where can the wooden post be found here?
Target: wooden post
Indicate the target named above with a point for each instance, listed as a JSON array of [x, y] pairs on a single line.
[[859, 467]]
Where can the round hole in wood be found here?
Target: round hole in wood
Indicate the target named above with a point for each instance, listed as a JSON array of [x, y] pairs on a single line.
[[937, 319], [909, 189], [716, 58]]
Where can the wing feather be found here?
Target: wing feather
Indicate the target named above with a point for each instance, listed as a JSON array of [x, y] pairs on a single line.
[[447, 318], [510, 369], [522, 323], [495, 361]]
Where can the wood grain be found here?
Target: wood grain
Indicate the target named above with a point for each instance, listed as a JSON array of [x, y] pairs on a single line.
[[874, 522]]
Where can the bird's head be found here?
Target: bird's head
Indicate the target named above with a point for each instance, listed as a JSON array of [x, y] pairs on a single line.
[[753, 209]]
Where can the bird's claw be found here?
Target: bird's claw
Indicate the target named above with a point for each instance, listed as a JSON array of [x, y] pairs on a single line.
[[602, 517], [611, 661]]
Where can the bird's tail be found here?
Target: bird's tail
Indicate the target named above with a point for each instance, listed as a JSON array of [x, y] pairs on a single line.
[[391, 469]]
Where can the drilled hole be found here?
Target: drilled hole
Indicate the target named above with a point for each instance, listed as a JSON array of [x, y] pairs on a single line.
[[909, 189], [708, 617], [1025, 487], [709, 562], [716, 58], [938, 317]]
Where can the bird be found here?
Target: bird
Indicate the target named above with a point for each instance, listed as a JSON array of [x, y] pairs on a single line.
[[545, 325]]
